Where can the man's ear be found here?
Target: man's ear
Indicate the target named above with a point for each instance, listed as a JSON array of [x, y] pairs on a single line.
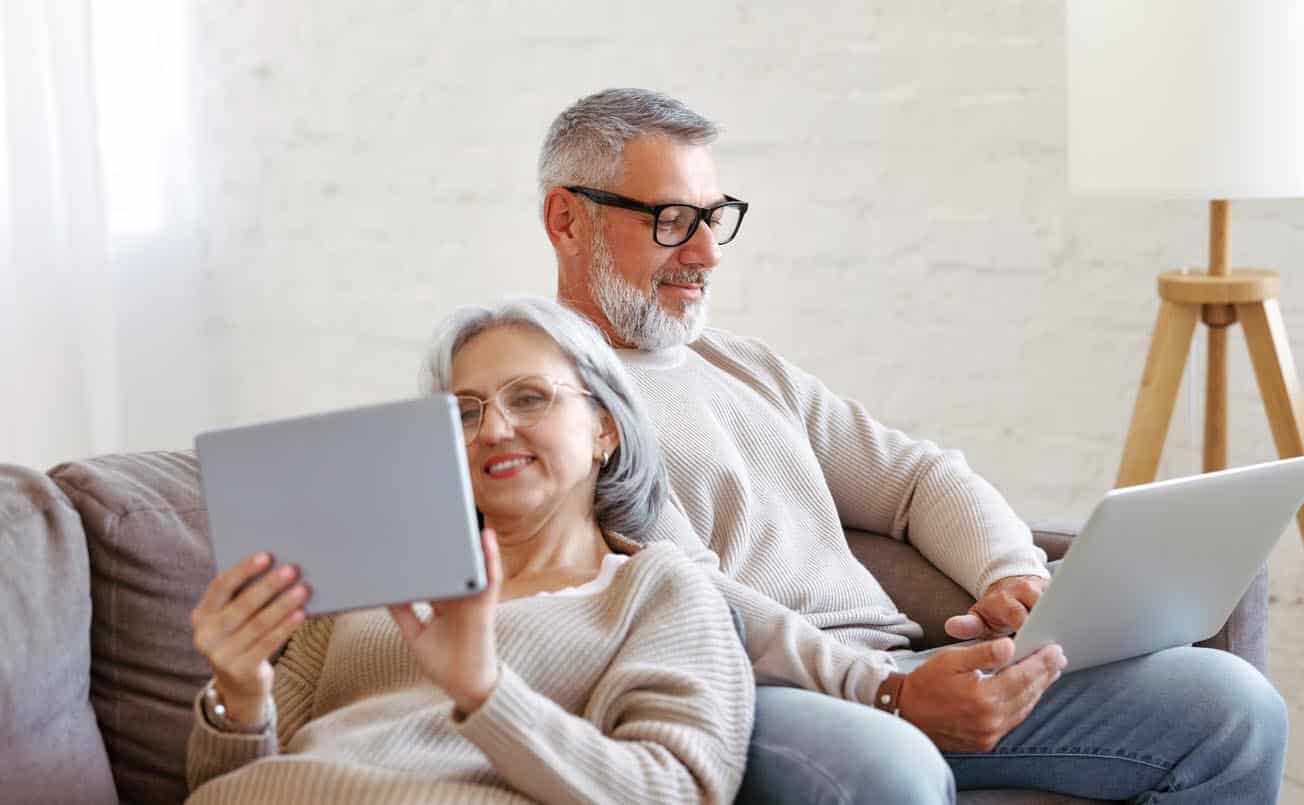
[[566, 224]]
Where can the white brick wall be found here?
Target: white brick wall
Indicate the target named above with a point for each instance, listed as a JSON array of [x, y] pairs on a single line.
[[366, 166]]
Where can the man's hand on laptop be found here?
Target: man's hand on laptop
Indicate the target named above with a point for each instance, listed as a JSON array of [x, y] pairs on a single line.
[[1003, 608], [961, 709]]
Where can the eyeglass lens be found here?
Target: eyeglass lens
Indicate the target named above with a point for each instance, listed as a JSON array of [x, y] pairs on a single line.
[[523, 401], [676, 224]]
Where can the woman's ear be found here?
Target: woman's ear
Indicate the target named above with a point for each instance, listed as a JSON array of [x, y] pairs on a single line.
[[608, 434]]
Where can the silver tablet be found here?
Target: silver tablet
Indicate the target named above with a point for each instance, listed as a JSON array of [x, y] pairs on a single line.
[[374, 504]]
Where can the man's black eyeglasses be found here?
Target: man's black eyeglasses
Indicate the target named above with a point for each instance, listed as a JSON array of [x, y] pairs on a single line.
[[674, 224]]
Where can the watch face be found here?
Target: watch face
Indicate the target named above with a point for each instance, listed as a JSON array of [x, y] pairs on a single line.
[[211, 699], [218, 717], [214, 704]]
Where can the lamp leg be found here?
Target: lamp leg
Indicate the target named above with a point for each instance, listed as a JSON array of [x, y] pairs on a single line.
[[1265, 336], [1215, 402], [1218, 317], [1157, 395]]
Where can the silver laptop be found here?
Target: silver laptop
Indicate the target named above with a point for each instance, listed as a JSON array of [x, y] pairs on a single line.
[[1161, 565], [374, 504]]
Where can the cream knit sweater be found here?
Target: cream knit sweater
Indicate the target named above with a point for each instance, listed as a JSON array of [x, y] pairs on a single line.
[[768, 466], [640, 692]]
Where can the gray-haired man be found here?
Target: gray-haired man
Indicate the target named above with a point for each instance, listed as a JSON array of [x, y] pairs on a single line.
[[768, 466]]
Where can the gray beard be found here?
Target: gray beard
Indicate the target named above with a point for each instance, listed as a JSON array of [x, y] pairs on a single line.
[[638, 317]]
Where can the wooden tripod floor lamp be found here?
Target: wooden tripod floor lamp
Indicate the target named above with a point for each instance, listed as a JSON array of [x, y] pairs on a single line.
[[1195, 99]]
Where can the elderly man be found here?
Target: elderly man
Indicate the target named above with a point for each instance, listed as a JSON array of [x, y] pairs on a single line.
[[768, 465]]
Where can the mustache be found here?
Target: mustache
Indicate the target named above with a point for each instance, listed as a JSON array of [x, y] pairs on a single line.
[[685, 277]]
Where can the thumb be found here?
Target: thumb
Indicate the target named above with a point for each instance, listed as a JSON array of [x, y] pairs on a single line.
[[983, 656], [408, 622], [965, 627], [493, 564]]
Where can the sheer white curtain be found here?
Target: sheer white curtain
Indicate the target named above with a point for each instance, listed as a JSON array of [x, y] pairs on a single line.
[[58, 359], [101, 319]]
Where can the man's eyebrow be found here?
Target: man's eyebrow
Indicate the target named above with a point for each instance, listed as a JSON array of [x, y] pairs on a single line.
[[658, 202]]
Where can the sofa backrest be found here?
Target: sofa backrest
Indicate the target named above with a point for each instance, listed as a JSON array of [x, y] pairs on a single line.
[[50, 747], [150, 560]]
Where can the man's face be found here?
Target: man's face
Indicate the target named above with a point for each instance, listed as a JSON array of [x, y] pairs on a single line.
[[655, 296]]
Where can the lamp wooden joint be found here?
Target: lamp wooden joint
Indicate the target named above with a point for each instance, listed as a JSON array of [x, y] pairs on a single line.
[[1238, 287], [1218, 299]]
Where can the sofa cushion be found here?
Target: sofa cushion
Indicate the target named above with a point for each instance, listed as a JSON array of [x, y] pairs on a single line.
[[50, 746], [150, 560]]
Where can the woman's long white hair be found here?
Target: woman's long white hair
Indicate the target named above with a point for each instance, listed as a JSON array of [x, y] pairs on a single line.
[[633, 486]]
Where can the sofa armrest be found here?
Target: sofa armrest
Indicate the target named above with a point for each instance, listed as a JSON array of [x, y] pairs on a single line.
[[51, 749], [922, 591], [1245, 633], [1055, 537], [929, 597]]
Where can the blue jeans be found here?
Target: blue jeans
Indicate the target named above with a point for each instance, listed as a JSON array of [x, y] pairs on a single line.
[[1185, 725]]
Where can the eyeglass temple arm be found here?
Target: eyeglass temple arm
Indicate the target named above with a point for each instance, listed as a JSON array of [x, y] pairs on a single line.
[[613, 200]]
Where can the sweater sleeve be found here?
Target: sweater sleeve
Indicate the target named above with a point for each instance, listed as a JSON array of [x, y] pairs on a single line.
[[910, 489], [297, 673], [784, 647], [211, 753], [669, 720]]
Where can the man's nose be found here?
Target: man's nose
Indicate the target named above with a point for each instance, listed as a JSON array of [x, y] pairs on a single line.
[[701, 249]]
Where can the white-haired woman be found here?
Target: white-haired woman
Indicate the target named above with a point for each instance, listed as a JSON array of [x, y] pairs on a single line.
[[590, 670]]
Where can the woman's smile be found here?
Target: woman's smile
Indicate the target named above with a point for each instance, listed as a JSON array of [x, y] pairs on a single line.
[[506, 465]]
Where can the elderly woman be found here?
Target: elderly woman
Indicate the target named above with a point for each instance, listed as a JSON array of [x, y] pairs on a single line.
[[591, 669]]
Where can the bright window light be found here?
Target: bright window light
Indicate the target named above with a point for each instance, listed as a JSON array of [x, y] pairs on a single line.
[[141, 52]]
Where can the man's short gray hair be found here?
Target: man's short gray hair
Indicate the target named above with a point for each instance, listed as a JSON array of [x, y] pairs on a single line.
[[585, 143], [633, 486]]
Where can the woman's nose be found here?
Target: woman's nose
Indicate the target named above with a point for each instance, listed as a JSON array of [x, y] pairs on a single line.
[[494, 425]]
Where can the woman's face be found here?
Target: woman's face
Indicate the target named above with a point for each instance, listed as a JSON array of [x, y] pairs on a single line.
[[524, 475]]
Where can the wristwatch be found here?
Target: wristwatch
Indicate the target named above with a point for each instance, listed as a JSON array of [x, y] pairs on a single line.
[[888, 697], [215, 712]]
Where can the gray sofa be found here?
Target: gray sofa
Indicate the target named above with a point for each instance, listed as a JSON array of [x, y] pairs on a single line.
[[100, 564]]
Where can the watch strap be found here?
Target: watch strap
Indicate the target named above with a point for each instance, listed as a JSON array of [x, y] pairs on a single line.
[[888, 697]]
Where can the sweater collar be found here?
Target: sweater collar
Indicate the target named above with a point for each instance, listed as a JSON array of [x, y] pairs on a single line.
[[667, 358]]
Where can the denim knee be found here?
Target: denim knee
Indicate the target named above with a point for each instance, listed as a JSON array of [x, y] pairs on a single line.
[[1242, 717], [898, 764], [906, 767], [1251, 702], [812, 748]]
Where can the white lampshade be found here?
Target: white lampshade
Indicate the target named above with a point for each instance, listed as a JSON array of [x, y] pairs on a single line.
[[1186, 98]]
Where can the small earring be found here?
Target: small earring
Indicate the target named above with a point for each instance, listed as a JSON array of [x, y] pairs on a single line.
[[605, 457]]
